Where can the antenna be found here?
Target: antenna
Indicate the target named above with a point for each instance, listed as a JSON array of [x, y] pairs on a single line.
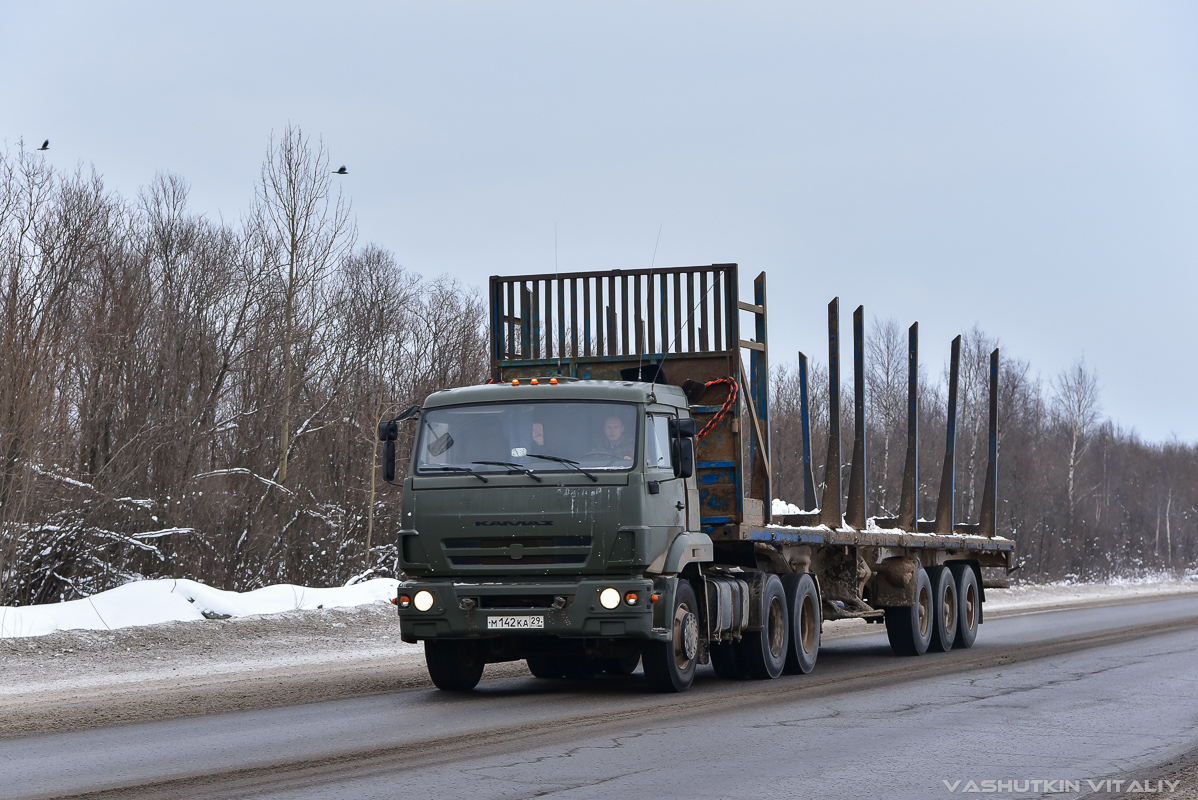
[[640, 355], [549, 299], [689, 315]]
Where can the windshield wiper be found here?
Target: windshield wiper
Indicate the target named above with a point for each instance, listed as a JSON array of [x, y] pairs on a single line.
[[453, 469], [567, 462], [513, 469]]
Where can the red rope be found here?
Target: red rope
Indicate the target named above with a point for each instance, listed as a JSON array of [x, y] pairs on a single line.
[[733, 393]]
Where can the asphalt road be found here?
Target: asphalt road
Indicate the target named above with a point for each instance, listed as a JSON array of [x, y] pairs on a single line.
[[1081, 695]]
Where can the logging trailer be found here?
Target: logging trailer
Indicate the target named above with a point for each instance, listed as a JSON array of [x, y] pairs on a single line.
[[606, 499]]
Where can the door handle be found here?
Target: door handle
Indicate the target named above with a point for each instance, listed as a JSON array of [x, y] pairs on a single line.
[[679, 505]]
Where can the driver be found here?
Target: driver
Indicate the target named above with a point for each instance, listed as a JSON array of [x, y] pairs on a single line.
[[538, 434], [615, 442]]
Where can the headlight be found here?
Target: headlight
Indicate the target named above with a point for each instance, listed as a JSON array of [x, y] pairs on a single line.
[[424, 600], [609, 598]]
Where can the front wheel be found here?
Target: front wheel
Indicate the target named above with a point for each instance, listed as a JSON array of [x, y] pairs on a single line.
[[455, 665], [670, 666]]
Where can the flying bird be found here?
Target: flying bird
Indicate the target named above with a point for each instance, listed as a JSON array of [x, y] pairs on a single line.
[[341, 171], [46, 146]]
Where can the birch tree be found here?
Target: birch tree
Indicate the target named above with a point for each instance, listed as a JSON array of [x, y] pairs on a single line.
[[304, 230]]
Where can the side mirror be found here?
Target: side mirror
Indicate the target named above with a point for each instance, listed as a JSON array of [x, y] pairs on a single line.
[[682, 427], [389, 461], [388, 433], [684, 464]]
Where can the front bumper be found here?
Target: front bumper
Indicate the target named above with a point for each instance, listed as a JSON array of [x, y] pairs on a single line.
[[582, 616]]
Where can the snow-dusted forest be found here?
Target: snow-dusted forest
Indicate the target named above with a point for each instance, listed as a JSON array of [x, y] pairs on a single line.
[[191, 398]]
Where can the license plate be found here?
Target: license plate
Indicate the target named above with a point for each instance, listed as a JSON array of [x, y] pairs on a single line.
[[515, 623]]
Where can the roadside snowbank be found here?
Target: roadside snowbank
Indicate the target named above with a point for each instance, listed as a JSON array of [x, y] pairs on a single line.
[[180, 600]]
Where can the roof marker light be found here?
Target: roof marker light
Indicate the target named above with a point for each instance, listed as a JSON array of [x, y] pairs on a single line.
[[553, 381], [533, 381], [515, 381]]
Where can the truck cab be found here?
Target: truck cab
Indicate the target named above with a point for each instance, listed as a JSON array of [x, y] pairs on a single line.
[[553, 506]]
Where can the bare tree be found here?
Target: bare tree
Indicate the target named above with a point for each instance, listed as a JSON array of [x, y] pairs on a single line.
[[886, 381], [1076, 409], [303, 231]]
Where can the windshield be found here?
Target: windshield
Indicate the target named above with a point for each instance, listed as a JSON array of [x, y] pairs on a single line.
[[543, 436]]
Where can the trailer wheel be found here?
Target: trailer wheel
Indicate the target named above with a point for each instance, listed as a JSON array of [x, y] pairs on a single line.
[[763, 652], [544, 667], [909, 628], [455, 665], [725, 660], [802, 598], [969, 598], [670, 666], [944, 609]]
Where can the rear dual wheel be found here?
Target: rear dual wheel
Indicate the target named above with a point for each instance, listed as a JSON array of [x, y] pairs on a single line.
[[945, 609], [969, 604], [946, 614], [763, 652], [624, 665], [909, 628], [547, 667], [802, 599]]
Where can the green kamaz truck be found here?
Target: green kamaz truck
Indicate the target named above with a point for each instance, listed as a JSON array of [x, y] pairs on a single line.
[[605, 501]]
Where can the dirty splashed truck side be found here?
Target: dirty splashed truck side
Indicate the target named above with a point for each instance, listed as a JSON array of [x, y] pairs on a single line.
[[606, 499]]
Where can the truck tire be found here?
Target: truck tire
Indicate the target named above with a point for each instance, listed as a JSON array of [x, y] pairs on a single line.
[[455, 665], [945, 609], [546, 667], [909, 628], [802, 599], [763, 652], [725, 660], [626, 665], [969, 598], [670, 666], [579, 668]]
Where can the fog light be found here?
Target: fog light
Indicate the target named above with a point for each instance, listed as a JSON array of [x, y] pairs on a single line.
[[630, 598], [609, 598], [404, 601], [423, 600]]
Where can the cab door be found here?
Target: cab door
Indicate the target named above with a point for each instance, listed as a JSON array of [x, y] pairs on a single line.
[[667, 501]]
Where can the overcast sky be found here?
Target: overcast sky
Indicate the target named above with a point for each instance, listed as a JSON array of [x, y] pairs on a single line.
[[1028, 167]]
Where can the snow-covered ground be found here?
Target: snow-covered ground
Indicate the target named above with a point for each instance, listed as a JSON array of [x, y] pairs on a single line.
[[180, 600]]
